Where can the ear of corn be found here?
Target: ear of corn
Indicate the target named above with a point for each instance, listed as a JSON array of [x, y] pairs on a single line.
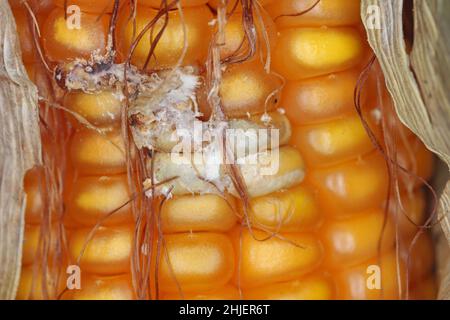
[[309, 232]]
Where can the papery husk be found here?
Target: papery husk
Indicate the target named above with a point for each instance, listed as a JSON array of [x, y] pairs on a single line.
[[418, 82], [20, 147], [421, 100]]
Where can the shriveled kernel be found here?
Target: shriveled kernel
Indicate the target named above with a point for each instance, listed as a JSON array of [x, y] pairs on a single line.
[[330, 13], [107, 252], [94, 287], [320, 99], [227, 292], [58, 36], [198, 262], [100, 109], [352, 241], [261, 253], [289, 210], [169, 49], [95, 153], [315, 287], [100, 198], [333, 142], [351, 186], [309, 52], [198, 213]]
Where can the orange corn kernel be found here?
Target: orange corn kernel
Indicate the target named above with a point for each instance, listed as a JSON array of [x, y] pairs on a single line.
[[425, 290], [31, 284], [107, 252], [35, 242], [357, 239], [94, 153], [418, 257], [100, 198], [184, 3], [169, 49], [410, 213], [310, 52], [235, 5], [100, 109], [315, 287], [246, 89], [320, 99], [417, 159], [97, 6], [351, 186], [333, 142], [286, 210], [34, 184], [58, 36], [224, 293], [356, 283], [330, 13], [235, 39], [265, 259], [198, 213], [198, 262], [95, 287]]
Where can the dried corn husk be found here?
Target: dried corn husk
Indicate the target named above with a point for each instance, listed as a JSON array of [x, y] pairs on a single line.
[[19, 149], [421, 100], [419, 85]]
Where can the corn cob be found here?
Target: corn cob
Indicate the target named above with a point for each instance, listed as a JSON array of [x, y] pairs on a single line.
[[308, 232]]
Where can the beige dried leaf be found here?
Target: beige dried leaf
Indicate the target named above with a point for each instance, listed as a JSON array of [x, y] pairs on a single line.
[[418, 82], [19, 149]]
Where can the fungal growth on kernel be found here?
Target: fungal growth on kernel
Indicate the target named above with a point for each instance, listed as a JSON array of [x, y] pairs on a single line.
[[222, 149]]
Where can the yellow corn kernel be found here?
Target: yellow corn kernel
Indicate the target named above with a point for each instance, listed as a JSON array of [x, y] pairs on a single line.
[[195, 262], [332, 142], [170, 47], [94, 153], [315, 287], [289, 210], [351, 186], [355, 240], [320, 99], [246, 89], [100, 197], [58, 36], [107, 252], [224, 293], [329, 13], [356, 284], [309, 52], [260, 260], [101, 109], [198, 213], [93, 287]]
